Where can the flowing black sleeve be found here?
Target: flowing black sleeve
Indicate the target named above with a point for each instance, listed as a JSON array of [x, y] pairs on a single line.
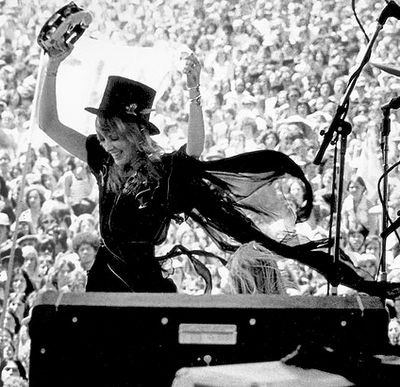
[[249, 178], [226, 196], [218, 196]]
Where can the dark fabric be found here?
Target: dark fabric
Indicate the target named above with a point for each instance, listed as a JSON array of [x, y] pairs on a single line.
[[221, 196], [131, 224], [3, 188], [109, 274]]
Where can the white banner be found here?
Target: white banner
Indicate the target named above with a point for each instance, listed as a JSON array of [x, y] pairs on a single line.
[[82, 77]]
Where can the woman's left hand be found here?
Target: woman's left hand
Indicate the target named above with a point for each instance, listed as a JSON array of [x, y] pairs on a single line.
[[192, 70]]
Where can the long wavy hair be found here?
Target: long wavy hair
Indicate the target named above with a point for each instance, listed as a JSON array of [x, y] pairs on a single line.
[[253, 270], [148, 152]]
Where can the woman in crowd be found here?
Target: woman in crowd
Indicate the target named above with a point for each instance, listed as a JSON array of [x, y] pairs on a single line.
[[34, 199], [356, 206], [84, 223], [354, 241], [31, 264], [78, 186], [86, 244], [142, 189]]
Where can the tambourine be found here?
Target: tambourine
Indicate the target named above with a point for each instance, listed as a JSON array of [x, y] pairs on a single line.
[[65, 26]]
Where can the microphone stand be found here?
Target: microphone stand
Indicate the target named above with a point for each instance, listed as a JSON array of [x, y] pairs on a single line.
[[384, 146], [341, 129]]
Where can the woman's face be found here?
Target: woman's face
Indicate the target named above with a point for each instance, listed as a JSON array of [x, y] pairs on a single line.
[[87, 254], [325, 90], [120, 149], [356, 241], [34, 199], [270, 141], [297, 192], [30, 262], [339, 86], [19, 283], [48, 221], [373, 248], [48, 182], [356, 190], [63, 276], [86, 226], [302, 110]]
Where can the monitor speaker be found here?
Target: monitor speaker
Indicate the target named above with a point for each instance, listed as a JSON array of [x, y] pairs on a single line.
[[128, 339]]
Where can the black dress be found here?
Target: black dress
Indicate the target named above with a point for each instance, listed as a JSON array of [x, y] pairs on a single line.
[[131, 224], [222, 196]]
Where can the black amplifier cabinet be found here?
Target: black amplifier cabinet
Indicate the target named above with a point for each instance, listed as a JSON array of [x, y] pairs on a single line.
[[126, 339]]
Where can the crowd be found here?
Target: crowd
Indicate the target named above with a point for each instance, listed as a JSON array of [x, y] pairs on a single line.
[[273, 74]]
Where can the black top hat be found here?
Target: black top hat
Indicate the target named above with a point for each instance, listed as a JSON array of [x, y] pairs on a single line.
[[129, 100]]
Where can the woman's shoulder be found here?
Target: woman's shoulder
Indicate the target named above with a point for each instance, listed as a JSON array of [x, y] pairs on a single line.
[[178, 155]]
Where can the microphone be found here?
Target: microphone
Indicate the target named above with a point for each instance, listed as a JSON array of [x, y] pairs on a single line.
[[394, 103], [391, 10], [394, 226]]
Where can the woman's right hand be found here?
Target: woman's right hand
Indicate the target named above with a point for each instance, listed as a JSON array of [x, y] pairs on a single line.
[[59, 51]]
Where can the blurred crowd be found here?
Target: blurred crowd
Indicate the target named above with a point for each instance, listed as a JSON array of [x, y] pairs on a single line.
[[273, 75]]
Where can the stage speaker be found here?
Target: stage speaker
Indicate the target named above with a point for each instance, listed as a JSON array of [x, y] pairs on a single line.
[[128, 339]]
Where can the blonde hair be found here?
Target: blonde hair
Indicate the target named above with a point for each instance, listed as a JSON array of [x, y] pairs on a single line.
[[147, 150], [253, 270]]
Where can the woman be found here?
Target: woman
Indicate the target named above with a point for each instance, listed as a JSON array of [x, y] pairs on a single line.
[[78, 187], [31, 264], [84, 223], [141, 189], [34, 199], [131, 174], [356, 206], [86, 244]]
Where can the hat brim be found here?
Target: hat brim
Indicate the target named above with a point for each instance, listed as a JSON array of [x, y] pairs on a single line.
[[25, 238], [153, 130]]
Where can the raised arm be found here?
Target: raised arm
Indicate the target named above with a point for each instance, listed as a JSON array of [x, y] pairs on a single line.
[[195, 140], [71, 140]]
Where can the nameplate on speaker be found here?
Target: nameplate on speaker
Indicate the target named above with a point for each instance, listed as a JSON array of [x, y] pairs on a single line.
[[218, 334]]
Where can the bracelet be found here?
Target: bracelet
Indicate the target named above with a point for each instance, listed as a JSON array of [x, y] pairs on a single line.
[[197, 87], [196, 100]]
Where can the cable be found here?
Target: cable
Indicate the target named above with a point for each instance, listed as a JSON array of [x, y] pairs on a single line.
[[353, 7]]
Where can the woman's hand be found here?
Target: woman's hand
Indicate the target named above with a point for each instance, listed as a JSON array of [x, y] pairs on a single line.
[[192, 70], [59, 51]]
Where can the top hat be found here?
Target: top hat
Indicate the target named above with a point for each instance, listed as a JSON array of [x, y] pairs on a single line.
[[128, 100]]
